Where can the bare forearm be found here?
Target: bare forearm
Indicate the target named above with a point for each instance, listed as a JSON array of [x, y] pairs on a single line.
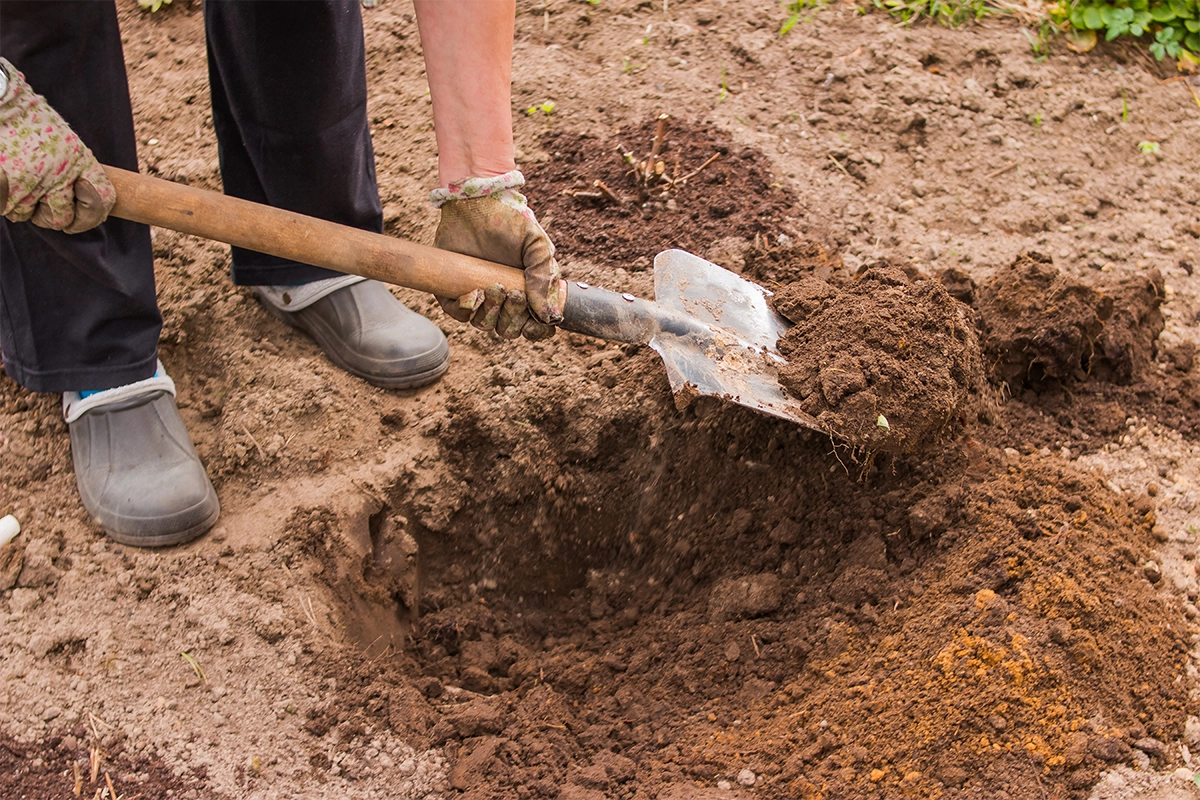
[[468, 60]]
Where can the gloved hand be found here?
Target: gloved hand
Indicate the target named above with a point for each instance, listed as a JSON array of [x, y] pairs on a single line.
[[487, 218], [47, 175]]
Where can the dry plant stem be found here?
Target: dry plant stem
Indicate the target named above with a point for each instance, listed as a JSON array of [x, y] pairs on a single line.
[[698, 169], [257, 446], [1000, 171], [586, 195], [607, 192], [660, 131], [838, 164]]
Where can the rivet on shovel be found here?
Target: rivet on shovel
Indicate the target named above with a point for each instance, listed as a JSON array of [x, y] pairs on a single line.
[[628, 298]]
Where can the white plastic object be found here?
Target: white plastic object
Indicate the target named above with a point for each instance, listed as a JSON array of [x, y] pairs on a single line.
[[9, 528]]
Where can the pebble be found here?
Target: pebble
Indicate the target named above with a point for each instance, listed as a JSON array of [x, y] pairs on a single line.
[[1151, 747], [22, 600], [9, 528], [1167, 245], [746, 778], [1191, 731], [1185, 774]]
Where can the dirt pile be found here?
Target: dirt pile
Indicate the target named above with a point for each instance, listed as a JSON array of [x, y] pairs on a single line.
[[884, 363], [734, 195], [1040, 325]]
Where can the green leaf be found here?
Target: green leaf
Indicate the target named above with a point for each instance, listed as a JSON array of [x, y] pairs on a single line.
[[1109, 15], [1192, 25], [1113, 33], [1182, 9], [1162, 13], [1077, 18], [1140, 5], [1157, 50], [1193, 42], [789, 24], [1136, 30], [1092, 20], [1142, 18]]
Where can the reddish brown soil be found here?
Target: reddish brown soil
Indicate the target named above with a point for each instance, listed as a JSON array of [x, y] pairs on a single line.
[[883, 363]]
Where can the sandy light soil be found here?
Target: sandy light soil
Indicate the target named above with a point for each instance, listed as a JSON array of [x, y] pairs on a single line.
[[541, 578]]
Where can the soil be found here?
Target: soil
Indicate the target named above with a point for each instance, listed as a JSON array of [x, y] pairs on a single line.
[[539, 578], [735, 196], [884, 363]]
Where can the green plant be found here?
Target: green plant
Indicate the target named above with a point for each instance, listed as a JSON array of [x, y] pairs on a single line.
[[721, 95], [795, 10], [153, 5], [944, 12], [1040, 43], [546, 108], [1149, 148], [1173, 24]]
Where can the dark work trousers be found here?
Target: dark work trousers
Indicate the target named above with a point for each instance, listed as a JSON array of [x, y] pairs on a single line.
[[288, 81]]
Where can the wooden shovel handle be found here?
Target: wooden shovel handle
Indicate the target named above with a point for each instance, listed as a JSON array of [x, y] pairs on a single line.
[[308, 240]]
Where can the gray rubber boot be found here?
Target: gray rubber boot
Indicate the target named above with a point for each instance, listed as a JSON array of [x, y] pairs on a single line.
[[369, 333], [139, 475]]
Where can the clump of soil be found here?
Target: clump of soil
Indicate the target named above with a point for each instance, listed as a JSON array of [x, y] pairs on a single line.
[[1038, 325], [884, 363], [734, 196]]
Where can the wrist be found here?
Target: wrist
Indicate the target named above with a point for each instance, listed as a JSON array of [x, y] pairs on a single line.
[[476, 186]]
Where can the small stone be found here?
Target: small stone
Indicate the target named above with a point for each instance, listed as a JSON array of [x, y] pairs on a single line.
[[1151, 747], [1152, 571], [724, 786], [1191, 731], [920, 187], [1167, 245], [23, 600], [1184, 774], [50, 713], [746, 778], [1110, 750], [751, 596]]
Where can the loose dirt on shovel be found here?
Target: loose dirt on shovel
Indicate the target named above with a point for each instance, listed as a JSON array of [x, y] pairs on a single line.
[[538, 579], [883, 363]]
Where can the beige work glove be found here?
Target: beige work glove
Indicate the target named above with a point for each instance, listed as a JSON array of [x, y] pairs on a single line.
[[47, 175], [489, 219]]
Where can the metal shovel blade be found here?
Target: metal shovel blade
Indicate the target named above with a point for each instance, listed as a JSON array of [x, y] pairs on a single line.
[[736, 358]]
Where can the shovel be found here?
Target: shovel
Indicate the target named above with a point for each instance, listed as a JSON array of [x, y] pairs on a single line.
[[714, 330]]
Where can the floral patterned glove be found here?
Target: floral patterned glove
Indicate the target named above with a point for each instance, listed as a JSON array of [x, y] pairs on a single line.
[[488, 218], [47, 175]]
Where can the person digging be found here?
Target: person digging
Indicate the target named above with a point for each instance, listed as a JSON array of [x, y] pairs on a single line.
[[78, 311]]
